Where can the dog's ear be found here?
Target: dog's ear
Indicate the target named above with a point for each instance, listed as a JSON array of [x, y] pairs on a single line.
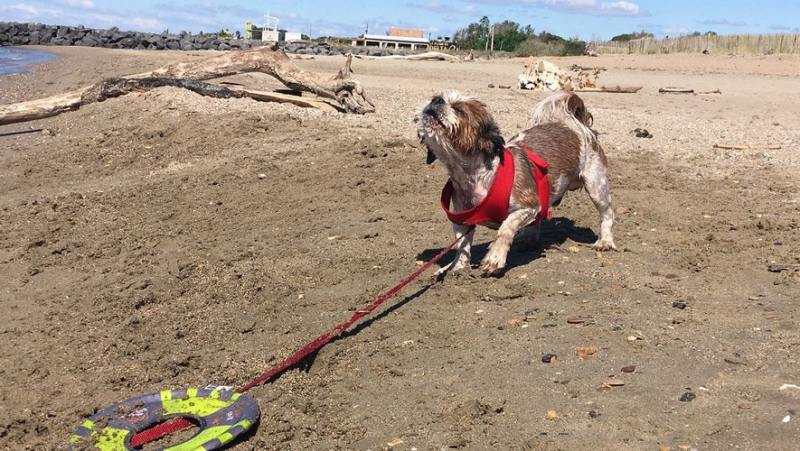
[[494, 140], [578, 109], [431, 156]]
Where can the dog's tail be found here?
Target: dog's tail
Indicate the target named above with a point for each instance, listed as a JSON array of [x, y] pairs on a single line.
[[566, 108], [560, 107]]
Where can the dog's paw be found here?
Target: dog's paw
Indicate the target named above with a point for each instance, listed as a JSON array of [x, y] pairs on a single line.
[[604, 245], [455, 265], [493, 262]]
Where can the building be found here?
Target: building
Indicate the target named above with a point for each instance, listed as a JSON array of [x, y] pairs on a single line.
[[396, 38], [270, 32]]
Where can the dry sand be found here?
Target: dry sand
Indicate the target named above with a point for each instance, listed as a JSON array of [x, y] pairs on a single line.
[[140, 251]]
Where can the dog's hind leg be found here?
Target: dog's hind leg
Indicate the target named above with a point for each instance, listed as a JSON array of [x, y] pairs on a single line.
[[595, 179]]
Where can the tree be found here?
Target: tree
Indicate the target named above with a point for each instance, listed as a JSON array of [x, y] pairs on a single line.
[[509, 35], [631, 36], [475, 36]]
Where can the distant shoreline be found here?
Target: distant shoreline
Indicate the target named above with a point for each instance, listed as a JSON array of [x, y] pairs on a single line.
[[15, 60]]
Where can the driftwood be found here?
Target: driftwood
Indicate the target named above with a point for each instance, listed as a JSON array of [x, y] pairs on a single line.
[[746, 147], [542, 75], [578, 68], [686, 91], [116, 87], [427, 56], [612, 89], [676, 91], [268, 60]]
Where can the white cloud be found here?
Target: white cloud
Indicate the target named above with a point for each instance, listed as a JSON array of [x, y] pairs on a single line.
[[122, 22], [22, 12], [621, 8], [86, 4], [445, 9], [594, 7], [673, 31], [61, 13], [582, 7], [719, 21], [649, 26], [21, 8]]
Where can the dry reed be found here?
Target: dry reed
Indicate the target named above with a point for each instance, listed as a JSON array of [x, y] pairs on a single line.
[[740, 44]]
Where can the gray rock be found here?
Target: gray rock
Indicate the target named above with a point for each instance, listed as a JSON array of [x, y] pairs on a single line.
[[90, 41], [187, 44], [127, 43]]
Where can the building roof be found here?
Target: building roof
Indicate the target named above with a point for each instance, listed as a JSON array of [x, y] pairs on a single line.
[[403, 33]]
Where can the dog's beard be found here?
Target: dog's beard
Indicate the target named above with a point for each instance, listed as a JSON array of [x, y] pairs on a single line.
[[433, 129]]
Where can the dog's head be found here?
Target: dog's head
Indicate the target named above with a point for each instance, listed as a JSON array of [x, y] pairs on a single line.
[[453, 126]]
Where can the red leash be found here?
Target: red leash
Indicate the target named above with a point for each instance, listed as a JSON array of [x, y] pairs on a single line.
[[176, 424]]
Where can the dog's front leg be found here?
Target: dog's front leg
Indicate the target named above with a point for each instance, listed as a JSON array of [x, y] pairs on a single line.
[[464, 250], [495, 260]]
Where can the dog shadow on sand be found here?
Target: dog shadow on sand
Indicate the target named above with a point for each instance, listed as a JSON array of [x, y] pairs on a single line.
[[555, 232]]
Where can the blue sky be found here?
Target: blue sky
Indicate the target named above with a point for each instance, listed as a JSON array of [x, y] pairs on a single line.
[[585, 19]]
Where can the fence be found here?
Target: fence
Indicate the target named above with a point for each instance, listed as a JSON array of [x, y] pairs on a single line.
[[744, 44]]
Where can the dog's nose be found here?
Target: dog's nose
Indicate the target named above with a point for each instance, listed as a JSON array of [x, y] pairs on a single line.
[[438, 100]]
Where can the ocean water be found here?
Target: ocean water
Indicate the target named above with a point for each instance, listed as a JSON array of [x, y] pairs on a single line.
[[16, 60]]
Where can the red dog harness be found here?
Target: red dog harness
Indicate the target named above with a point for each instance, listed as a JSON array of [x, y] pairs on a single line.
[[494, 207]]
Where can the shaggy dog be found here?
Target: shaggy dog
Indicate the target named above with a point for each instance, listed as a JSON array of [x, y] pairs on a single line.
[[509, 186]]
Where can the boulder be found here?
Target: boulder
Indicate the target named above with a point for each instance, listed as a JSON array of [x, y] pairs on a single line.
[[127, 43], [90, 41], [157, 42]]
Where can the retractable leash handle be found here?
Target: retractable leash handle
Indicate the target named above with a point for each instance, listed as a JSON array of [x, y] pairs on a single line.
[[220, 412]]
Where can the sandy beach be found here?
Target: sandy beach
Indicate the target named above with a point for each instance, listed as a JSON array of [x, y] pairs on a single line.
[[165, 240]]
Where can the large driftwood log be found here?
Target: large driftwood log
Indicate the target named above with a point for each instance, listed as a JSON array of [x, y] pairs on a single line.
[[268, 60], [427, 56], [116, 87], [542, 75]]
